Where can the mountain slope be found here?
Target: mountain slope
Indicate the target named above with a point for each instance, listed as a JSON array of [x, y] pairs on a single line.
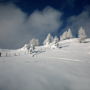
[[48, 68]]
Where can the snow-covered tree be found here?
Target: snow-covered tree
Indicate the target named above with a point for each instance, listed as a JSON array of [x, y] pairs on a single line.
[[31, 45], [34, 42], [66, 35], [55, 40], [63, 36], [26, 46], [48, 40], [69, 34], [81, 34]]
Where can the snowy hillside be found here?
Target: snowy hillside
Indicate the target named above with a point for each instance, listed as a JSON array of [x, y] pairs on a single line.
[[66, 67]]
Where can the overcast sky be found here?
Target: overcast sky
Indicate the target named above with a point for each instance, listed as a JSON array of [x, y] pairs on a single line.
[[20, 24]]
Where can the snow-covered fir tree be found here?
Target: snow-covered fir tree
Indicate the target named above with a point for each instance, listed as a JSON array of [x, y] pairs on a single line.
[[26, 47], [48, 40], [34, 42], [81, 34], [69, 34], [31, 45], [55, 40], [66, 35], [63, 36]]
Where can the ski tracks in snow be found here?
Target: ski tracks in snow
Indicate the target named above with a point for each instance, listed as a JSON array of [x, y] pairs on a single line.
[[66, 59], [57, 59]]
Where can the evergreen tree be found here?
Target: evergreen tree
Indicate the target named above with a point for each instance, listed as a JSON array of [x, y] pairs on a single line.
[[48, 40], [81, 34], [34, 42], [63, 36], [56, 40], [69, 34]]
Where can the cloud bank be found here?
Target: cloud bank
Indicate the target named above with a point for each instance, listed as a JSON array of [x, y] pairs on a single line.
[[83, 19], [16, 28]]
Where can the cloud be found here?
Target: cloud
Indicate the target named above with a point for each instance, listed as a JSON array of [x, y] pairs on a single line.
[[83, 19], [11, 22], [16, 28], [44, 22]]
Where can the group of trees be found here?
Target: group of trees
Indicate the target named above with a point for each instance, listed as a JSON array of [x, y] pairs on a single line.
[[50, 39], [66, 35], [31, 45]]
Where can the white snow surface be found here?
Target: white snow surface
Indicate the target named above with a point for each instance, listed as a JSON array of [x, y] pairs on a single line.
[[65, 68]]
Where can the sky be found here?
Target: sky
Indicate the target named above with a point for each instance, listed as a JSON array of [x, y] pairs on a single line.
[[22, 20]]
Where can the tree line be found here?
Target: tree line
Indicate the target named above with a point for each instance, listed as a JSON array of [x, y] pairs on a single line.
[[50, 39]]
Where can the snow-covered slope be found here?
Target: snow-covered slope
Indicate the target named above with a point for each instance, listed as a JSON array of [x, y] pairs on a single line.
[[48, 68], [71, 49]]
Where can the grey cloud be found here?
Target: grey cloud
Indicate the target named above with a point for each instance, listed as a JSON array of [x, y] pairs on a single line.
[[16, 29], [83, 19], [11, 21], [44, 22]]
